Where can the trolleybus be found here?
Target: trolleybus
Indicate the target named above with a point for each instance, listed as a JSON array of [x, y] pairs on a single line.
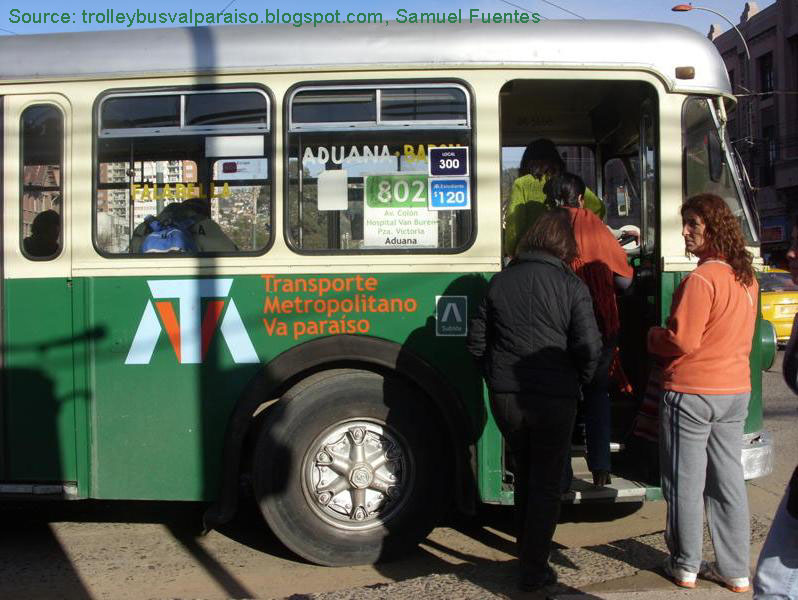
[[341, 189]]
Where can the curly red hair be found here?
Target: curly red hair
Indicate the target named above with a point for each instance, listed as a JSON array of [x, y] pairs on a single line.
[[723, 237]]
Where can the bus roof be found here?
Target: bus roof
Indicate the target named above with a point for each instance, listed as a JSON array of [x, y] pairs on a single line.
[[656, 47]]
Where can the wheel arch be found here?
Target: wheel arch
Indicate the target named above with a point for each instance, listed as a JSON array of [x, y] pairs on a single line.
[[347, 351]]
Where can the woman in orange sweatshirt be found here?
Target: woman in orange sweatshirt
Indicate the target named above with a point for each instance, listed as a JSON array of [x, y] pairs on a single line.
[[705, 350]]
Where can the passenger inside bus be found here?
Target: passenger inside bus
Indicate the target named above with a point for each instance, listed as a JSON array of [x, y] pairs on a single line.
[[45, 231], [192, 219], [540, 162], [603, 266]]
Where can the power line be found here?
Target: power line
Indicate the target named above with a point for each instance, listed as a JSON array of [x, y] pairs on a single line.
[[570, 12], [9, 31], [524, 9], [228, 5], [770, 93]]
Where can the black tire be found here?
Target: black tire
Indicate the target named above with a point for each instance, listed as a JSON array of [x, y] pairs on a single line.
[[297, 458]]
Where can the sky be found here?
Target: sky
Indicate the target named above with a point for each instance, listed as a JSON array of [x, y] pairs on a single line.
[[14, 14]]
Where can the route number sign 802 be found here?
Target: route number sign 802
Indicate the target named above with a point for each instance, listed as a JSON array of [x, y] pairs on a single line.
[[400, 191], [396, 191]]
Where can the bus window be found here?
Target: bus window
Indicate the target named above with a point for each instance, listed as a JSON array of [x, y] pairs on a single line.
[[41, 213], [630, 184], [620, 193], [359, 173], [198, 160], [706, 170]]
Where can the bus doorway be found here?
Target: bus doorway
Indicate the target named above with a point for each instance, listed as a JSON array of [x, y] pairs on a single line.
[[606, 133]]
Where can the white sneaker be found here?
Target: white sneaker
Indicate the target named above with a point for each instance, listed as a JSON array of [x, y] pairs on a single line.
[[709, 571], [680, 577]]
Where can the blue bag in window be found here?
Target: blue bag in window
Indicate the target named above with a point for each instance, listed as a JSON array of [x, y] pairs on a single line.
[[168, 236]]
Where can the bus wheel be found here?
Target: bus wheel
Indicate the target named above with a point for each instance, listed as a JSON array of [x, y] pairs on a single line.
[[349, 468]]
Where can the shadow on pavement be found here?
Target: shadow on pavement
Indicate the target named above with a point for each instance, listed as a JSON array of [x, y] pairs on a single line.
[[27, 531], [632, 552], [27, 544]]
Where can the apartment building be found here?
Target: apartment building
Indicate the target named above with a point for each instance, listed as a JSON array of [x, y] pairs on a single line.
[[764, 128]]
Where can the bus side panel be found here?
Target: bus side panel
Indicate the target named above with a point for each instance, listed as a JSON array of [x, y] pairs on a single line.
[[83, 383], [754, 422], [39, 400], [491, 468], [756, 406], [162, 401], [159, 420]]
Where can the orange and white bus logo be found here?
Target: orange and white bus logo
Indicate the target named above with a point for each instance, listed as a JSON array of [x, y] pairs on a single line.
[[191, 335]]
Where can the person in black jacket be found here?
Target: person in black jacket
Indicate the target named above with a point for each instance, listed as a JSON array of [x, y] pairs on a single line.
[[536, 340]]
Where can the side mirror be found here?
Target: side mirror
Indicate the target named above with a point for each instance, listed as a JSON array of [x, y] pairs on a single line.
[[715, 157]]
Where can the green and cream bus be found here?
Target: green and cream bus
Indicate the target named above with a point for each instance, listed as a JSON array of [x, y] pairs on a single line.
[[348, 185]]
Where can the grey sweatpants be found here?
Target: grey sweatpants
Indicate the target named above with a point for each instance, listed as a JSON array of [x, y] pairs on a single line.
[[700, 459]]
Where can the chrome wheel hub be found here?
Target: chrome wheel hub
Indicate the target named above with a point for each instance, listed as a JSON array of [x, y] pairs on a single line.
[[357, 474], [361, 476]]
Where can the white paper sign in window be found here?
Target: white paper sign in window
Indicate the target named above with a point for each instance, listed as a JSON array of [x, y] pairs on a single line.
[[234, 145], [333, 190]]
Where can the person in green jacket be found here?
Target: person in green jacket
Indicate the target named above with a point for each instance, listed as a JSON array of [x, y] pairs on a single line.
[[540, 161]]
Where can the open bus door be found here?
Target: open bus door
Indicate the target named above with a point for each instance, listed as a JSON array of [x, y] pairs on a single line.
[[630, 189], [38, 411], [607, 133]]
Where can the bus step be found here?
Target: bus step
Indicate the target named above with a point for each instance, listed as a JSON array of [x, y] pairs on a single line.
[[620, 490], [62, 491], [583, 491]]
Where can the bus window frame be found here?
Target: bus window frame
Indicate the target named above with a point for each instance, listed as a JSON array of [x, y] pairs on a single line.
[[270, 146], [731, 157], [650, 244], [374, 84], [61, 156], [184, 129], [378, 123]]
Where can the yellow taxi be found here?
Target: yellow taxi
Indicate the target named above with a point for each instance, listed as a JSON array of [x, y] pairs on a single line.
[[779, 301]]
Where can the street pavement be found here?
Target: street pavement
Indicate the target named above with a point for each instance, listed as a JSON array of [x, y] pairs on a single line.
[[633, 574]]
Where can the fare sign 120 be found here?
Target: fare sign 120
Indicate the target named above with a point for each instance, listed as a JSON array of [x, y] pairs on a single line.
[[449, 184]]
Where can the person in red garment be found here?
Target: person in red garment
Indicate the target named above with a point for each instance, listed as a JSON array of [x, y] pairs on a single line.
[[603, 266]]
